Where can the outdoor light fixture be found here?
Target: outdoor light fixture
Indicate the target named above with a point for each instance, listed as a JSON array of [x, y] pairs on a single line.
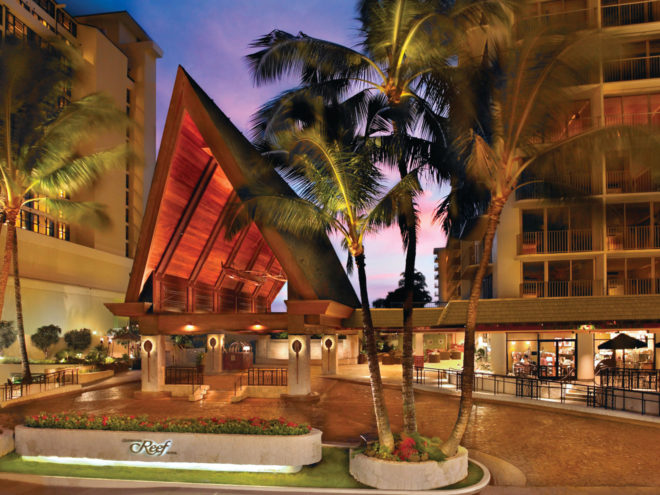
[[205, 466], [257, 326], [189, 327]]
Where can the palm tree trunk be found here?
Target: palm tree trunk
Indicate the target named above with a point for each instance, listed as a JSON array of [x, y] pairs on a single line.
[[6, 261], [27, 376], [385, 437], [450, 447], [407, 359]]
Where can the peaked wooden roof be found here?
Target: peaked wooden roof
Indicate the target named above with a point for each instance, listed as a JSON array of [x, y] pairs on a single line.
[[203, 164]]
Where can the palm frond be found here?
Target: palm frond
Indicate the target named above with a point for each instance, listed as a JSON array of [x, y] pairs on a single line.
[[78, 212]]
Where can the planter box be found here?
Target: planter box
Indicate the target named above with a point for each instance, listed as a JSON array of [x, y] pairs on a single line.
[[248, 451], [393, 475]]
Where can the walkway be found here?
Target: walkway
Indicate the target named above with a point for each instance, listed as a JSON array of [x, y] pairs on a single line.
[[551, 448]]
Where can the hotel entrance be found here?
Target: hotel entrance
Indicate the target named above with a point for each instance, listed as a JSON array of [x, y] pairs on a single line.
[[556, 358]]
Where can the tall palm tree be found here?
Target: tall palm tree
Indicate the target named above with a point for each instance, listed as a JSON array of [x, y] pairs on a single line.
[[516, 119], [340, 191], [41, 157], [407, 47]]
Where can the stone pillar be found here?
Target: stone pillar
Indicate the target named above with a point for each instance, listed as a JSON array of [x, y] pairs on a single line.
[[353, 349], [299, 378], [498, 352], [418, 344], [329, 354], [214, 347], [153, 363], [585, 356]]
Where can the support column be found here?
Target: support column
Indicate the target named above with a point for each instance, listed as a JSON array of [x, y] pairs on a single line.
[[153, 363], [498, 352], [418, 349], [585, 356], [329, 354], [299, 378], [214, 348]]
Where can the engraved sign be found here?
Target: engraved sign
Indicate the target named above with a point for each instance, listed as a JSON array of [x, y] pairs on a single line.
[[149, 447]]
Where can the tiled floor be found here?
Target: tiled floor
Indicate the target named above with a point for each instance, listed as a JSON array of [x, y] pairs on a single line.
[[551, 448]]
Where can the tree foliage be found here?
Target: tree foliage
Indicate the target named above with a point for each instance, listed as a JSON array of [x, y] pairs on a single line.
[[7, 334], [45, 337], [396, 297], [78, 340]]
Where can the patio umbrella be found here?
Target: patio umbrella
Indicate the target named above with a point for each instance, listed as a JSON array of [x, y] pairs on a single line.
[[623, 342]]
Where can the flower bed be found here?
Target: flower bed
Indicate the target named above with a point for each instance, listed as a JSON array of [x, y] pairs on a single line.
[[228, 426], [205, 443]]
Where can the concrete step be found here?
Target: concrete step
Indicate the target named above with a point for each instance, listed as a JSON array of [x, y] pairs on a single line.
[[219, 395]]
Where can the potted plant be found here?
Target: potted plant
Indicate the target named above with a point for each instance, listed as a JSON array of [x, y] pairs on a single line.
[[362, 357], [199, 361]]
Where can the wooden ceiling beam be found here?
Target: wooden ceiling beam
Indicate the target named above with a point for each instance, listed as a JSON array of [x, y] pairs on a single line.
[[269, 265], [250, 264], [232, 254], [210, 242], [186, 216]]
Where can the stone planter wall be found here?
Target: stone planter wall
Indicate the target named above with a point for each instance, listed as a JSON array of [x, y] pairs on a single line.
[[94, 376], [268, 450], [393, 475]]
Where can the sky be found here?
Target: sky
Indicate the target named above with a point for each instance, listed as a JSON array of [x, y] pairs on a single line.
[[210, 39]]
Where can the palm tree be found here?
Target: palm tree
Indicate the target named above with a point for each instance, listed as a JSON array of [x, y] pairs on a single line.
[[340, 191], [407, 46], [41, 158], [516, 120]]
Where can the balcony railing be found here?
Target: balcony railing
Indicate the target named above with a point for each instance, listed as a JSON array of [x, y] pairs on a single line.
[[561, 288], [622, 181], [574, 125], [630, 13], [632, 287], [580, 184], [578, 19], [629, 69], [652, 118], [639, 237], [557, 241]]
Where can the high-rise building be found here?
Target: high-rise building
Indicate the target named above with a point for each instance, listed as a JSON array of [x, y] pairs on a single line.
[[597, 258], [69, 271]]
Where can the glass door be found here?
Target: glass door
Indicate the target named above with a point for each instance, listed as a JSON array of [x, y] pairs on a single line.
[[556, 358]]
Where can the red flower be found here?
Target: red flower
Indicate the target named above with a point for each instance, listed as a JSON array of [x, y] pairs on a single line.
[[282, 420], [131, 417], [292, 424]]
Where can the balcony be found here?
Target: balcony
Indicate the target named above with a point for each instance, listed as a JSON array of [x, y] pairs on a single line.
[[648, 118], [630, 238], [577, 19], [557, 241], [561, 288], [630, 69], [622, 181], [575, 125], [474, 254], [576, 184], [632, 287], [630, 13]]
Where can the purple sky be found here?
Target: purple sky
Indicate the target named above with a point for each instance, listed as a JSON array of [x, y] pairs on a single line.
[[210, 39]]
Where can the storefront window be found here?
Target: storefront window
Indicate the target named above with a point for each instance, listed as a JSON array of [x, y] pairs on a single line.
[[482, 357], [643, 358], [522, 353]]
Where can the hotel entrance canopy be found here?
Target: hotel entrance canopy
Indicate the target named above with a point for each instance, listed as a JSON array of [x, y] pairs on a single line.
[[187, 275]]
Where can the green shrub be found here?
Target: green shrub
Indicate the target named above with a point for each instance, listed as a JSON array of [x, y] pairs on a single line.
[[78, 340], [7, 334], [45, 337]]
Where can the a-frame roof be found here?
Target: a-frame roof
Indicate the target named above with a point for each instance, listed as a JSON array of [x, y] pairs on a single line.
[[203, 164]]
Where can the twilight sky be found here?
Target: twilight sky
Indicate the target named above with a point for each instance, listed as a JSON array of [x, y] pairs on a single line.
[[210, 39]]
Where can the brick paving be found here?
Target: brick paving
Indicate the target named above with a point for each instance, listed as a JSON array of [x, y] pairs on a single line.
[[551, 448]]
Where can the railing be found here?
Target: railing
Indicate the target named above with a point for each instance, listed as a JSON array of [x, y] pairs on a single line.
[[620, 399], [183, 375], [276, 377], [557, 241], [638, 237], [40, 383], [629, 379], [582, 184], [519, 386], [630, 13], [628, 69], [622, 181], [262, 377], [630, 286], [561, 288], [645, 118], [580, 18]]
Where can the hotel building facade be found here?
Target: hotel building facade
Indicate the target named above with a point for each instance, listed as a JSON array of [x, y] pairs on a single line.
[[68, 271], [565, 278]]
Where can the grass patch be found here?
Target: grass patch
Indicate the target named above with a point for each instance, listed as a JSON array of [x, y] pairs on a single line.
[[331, 472]]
